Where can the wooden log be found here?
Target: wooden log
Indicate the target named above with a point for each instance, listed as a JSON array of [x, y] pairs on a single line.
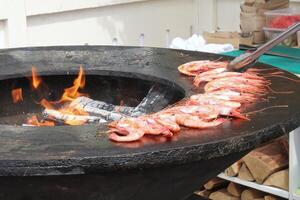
[[234, 169], [279, 179], [101, 113], [245, 174], [82, 102], [285, 144], [76, 119], [157, 98], [215, 183], [266, 160], [249, 2], [271, 197], [222, 195], [203, 193], [95, 111], [250, 194], [235, 189]]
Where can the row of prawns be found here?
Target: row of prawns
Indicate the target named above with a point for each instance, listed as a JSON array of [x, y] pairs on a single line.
[[225, 93]]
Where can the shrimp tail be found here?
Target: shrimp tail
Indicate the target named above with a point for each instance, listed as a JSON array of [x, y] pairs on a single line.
[[237, 114]]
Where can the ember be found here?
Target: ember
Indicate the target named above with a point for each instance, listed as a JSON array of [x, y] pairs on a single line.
[[35, 122], [17, 95]]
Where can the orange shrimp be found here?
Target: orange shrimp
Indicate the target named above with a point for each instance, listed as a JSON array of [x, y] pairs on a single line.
[[205, 112], [230, 95], [237, 85], [208, 75], [221, 73], [168, 121], [154, 128], [229, 112], [195, 67], [192, 121], [133, 127], [242, 80], [208, 99]]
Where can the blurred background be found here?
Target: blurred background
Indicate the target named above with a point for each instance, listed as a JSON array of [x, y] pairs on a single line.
[[106, 22]]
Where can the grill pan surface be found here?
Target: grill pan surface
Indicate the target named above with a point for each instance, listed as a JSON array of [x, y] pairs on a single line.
[[76, 150]]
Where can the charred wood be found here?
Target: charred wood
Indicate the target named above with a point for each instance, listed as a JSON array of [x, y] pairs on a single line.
[[157, 98]]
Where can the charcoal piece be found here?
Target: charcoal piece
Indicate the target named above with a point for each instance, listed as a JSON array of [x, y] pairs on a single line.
[[157, 98]]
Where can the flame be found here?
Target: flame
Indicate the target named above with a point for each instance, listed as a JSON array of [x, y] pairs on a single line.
[[36, 80], [17, 95], [34, 121], [68, 96], [72, 93]]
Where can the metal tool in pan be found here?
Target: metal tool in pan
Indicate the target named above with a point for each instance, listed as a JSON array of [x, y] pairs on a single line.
[[245, 60], [271, 53]]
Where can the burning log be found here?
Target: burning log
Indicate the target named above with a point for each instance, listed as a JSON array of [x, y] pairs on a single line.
[[71, 119], [101, 112], [157, 98], [94, 110], [86, 103]]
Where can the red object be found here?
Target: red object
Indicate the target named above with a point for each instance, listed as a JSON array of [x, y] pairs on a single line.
[[284, 21]]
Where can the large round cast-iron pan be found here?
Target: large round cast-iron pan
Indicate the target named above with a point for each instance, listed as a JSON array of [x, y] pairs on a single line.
[[101, 169]]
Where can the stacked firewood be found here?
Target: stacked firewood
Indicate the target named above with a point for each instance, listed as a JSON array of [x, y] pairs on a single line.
[[253, 20], [219, 189], [267, 165]]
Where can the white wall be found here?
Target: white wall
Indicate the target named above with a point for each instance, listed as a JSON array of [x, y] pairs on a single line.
[[3, 33], [70, 22], [228, 14], [124, 22]]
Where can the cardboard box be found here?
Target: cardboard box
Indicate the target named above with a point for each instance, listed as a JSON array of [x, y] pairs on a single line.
[[247, 40], [259, 37], [248, 9], [251, 22], [276, 4], [249, 2], [223, 38]]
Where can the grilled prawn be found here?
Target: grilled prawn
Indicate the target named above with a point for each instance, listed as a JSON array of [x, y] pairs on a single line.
[[195, 67]]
